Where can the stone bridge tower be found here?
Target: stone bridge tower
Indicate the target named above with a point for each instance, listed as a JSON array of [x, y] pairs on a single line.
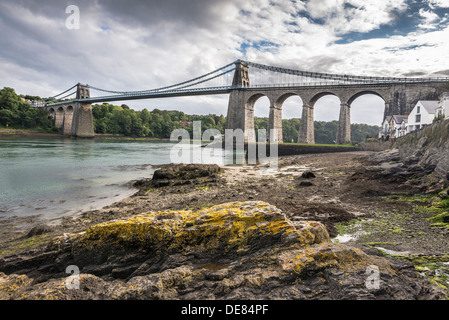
[[75, 117], [237, 117]]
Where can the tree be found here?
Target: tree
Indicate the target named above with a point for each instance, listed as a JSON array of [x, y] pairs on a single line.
[[445, 86], [17, 113], [290, 130], [160, 123]]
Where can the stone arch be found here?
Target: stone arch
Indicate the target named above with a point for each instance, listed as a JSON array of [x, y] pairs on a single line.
[[68, 120], [364, 92], [319, 95], [307, 129], [277, 112], [59, 117], [373, 111], [249, 115], [251, 101], [52, 112], [281, 99]]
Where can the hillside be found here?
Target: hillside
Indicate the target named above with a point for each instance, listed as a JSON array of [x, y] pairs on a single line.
[[428, 149]]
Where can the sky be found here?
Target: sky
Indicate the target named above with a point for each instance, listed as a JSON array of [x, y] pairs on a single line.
[[137, 45]]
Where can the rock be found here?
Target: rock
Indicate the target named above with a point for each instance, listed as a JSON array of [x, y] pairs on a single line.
[[162, 174], [237, 250], [305, 184], [445, 216], [185, 171], [308, 175], [429, 150], [38, 230], [179, 175], [13, 285]]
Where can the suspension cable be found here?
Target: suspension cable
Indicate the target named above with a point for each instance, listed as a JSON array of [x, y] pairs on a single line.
[[54, 97], [205, 80], [162, 88], [345, 78], [72, 93]]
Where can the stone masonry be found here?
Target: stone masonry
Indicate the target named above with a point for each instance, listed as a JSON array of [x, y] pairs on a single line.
[[399, 99], [74, 118]]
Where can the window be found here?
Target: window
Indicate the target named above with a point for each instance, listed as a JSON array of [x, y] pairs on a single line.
[[418, 118], [418, 110]]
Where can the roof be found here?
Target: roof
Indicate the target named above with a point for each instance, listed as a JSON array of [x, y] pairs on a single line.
[[398, 119], [387, 119], [430, 106]]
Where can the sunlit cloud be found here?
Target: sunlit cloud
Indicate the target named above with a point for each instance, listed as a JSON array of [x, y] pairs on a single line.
[[136, 45]]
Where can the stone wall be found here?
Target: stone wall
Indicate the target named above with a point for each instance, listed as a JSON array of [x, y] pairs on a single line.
[[428, 149]]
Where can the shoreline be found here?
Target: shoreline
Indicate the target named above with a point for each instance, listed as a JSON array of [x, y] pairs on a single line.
[[356, 208], [252, 182], [19, 133]]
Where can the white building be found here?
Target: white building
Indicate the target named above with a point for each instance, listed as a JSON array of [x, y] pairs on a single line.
[[443, 108], [394, 127], [422, 114]]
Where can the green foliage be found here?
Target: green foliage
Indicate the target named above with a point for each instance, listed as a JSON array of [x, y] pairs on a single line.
[[360, 132], [157, 123], [290, 130], [160, 123], [326, 132], [18, 114], [445, 86]]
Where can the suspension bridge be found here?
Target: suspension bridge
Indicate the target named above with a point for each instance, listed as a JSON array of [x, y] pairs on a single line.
[[73, 112]]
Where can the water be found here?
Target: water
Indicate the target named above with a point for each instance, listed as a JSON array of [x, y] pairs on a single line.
[[54, 178]]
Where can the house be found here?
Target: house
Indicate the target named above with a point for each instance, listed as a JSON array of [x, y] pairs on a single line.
[[422, 114], [443, 108], [394, 127]]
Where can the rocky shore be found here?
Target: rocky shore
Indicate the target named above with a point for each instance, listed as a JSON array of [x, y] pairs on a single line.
[[316, 228]]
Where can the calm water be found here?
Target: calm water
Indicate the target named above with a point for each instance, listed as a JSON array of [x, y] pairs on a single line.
[[64, 177]]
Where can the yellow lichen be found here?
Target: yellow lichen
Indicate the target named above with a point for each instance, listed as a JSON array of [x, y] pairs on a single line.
[[229, 226]]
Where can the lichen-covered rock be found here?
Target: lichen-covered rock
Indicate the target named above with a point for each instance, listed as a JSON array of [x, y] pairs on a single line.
[[180, 174], [240, 250], [233, 228]]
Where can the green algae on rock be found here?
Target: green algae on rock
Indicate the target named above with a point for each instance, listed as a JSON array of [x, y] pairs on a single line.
[[237, 250]]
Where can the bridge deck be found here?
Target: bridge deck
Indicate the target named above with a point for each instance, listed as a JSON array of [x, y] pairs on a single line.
[[229, 89]]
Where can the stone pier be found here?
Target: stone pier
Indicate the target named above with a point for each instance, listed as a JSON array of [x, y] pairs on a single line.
[[306, 129], [74, 118], [344, 125]]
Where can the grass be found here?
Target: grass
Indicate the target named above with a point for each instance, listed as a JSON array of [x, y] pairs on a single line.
[[317, 145]]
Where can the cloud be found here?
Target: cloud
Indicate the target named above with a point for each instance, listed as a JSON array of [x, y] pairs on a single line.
[[137, 45], [429, 19], [438, 3], [345, 16]]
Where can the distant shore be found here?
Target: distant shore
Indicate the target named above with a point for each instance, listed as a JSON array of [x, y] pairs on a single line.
[[27, 133], [39, 134]]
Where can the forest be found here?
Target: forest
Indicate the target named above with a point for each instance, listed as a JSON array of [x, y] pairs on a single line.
[[113, 119], [16, 113]]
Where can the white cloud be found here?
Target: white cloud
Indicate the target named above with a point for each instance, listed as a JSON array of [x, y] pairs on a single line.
[[139, 45], [354, 15], [429, 19], [438, 3]]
